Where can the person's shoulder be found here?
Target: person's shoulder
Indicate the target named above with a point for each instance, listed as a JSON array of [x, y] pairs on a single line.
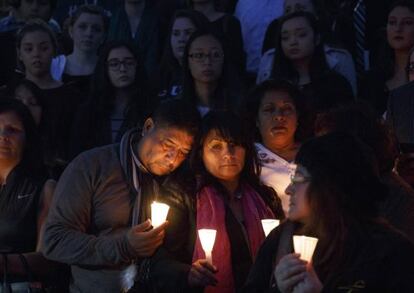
[[405, 89], [100, 157]]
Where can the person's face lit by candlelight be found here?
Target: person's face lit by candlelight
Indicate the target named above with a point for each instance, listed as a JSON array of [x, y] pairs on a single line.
[[299, 208], [162, 149], [222, 158]]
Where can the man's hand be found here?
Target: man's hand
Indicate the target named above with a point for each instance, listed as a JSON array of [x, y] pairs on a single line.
[[201, 274], [146, 242]]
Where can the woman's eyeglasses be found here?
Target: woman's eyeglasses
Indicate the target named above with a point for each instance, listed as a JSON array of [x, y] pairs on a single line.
[[199, 57], [115, 64]]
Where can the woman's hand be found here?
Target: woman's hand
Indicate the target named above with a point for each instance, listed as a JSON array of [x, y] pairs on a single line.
[[201, 274], [311, 283], [289, 272]]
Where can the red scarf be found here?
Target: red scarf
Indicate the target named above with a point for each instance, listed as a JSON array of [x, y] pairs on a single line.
[[211, 215]]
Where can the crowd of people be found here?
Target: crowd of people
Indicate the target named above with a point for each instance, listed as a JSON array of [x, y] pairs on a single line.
[[229, 112]]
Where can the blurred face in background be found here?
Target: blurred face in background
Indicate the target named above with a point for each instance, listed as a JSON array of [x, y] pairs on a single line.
[[121, 64], [298, 40], [206, 59], [88, 32], [400, 28], [291, 6], [181, 31], [36, 52], [29, 9]]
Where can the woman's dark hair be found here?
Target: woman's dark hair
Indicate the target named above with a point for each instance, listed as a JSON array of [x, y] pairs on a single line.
[[102, 92], [169, 64], [16, 4], [222, 98], [283, 67], [101, 100], [256, 95], [91, 9], [32, 159], [342, 194], [386, 62], [233, 129], [36, 25], [361, 120]]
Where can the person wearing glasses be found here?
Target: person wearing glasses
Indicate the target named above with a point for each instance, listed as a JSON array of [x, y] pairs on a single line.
[[208, 80], [333, 197], [117, 100], [229, 198]]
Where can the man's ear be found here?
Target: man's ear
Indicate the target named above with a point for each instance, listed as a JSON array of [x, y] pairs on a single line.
[[148, 126]]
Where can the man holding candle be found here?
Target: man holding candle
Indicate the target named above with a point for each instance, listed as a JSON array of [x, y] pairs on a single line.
[[98, 222]]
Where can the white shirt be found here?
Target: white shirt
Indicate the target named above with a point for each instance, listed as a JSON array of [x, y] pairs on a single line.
[[275, 173], [254, 17]]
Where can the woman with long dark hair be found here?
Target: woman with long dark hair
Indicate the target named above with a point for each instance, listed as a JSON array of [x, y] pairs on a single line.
[[227, 27], [208, 80], [389, 72], [229, 198], [117, 101], [183, 24], [333, 196], [301, 60]]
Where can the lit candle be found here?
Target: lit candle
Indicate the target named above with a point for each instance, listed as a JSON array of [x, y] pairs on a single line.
[[159, 213], [268, 225], [207, 238], [305, 246]]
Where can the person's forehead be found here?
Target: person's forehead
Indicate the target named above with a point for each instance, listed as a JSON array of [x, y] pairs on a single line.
[[175, 133]]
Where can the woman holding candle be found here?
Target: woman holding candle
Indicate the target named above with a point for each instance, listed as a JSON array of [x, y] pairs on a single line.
[[229, 199], [333, 196]]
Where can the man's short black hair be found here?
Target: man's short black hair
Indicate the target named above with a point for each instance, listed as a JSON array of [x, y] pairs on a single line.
[[177, 113]]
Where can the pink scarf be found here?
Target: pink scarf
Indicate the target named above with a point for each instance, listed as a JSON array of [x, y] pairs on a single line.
[[211, 215]]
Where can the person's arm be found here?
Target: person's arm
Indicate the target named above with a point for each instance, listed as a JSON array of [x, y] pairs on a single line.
[[66, 237], [39, 266], [262, 269]]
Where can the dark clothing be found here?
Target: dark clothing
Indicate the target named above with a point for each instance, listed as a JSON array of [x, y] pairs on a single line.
[[228, 29], [146, 39], [80, 82], [400, 113], [172, 262], [19, 201], [66, 8], [398, 207], [91, 214], [374, 90], [59, 108], [376, 19], [381, 262]]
